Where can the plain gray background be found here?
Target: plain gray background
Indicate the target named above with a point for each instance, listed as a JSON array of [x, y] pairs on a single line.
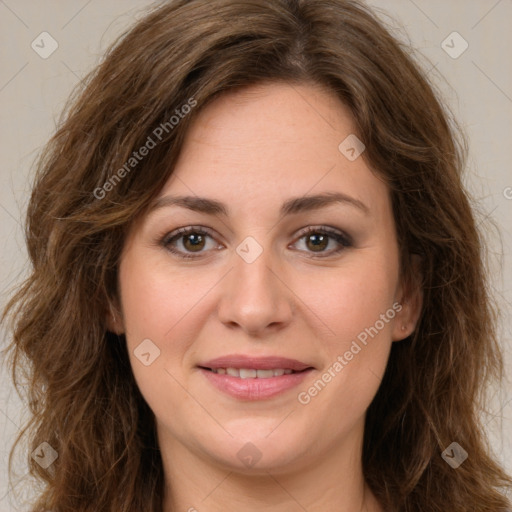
[[476, 84]]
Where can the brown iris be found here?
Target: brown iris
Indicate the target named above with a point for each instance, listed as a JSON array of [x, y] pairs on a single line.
[[320, 241], [196, 241]]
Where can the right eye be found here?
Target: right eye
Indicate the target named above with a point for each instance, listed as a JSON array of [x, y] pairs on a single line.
[[192, 239]]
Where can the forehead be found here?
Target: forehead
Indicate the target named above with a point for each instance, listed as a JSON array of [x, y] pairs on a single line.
[[276, 116], [268, 142]]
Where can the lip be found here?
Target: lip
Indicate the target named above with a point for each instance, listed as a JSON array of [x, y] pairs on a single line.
[[255, 388]]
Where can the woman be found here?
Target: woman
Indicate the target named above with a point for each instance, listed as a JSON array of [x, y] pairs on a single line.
[[257, 281]]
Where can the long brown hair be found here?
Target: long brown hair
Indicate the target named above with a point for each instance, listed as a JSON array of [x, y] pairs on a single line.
[[82, 396]]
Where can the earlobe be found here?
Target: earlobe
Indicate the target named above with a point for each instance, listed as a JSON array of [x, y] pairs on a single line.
[[412, 303]]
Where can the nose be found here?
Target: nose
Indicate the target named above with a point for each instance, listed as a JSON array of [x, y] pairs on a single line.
[[255, 296]]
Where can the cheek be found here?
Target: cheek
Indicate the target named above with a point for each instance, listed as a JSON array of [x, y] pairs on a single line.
[[357, 305], [352, 299], [157, 300], [155, 305]]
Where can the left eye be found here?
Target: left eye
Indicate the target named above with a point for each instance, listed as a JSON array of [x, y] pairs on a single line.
[[193, 240], [319, 238]]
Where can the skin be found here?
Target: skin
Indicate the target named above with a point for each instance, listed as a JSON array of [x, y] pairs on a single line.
[[252, 150]]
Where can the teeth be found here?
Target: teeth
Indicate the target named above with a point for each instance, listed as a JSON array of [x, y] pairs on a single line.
[[251, 373], [264, 374], [247, 374]]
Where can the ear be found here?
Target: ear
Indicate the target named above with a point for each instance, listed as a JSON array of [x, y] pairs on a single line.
[[410, 296], [114, 318]]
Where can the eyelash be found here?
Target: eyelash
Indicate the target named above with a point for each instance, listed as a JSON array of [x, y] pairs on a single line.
[[341, 238]]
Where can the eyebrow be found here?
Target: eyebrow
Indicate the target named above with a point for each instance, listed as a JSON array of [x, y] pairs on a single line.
[[291, 206]]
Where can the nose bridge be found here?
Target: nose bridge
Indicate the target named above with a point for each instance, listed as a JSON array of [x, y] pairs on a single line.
[[253, 267], [254, 296]]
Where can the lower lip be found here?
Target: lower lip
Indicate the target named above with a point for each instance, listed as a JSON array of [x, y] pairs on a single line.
[[254, 389]]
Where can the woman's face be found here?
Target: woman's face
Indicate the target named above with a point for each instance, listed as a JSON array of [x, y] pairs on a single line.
[[251, 289]]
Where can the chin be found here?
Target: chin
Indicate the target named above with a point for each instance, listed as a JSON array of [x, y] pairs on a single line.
[[255, 452]]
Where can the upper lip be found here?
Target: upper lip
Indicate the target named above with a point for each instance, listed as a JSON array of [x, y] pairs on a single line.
[[253, 362]]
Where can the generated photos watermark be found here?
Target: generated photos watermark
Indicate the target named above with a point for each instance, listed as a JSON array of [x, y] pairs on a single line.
[[304, 397], [151, 142]]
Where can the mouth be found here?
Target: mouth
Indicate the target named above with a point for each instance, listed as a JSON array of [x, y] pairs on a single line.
[[253, 373], [254, 378]]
